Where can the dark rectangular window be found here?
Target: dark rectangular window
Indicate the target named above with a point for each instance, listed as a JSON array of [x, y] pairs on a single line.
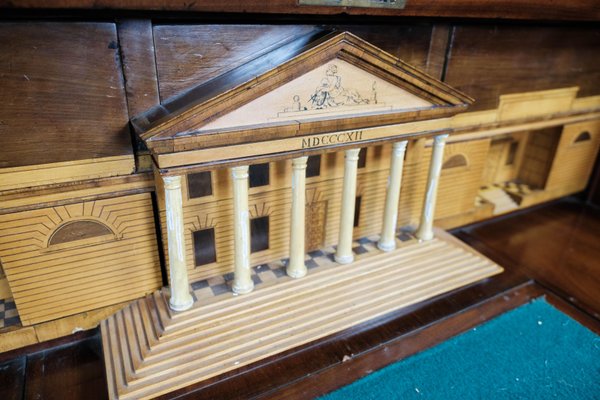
[[362, 157], [259, 175], [259, 234], [204, 247], [512, 153], [357, 210], [199, 184], [313, 166]]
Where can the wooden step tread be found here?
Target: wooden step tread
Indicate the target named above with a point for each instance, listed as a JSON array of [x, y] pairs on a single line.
[[150, 352]]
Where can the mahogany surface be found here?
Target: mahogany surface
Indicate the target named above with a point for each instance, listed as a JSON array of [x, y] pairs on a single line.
[[75, 87], [555, 244], [526, 58]]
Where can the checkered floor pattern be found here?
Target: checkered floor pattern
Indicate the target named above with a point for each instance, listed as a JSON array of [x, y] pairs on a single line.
[[207, 290], [8, 313], [512, 187]]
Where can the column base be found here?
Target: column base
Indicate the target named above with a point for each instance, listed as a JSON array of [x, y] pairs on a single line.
[[242, 289], [182, 307], [424, 236], [386, 246], [297, 272], [347, 259]]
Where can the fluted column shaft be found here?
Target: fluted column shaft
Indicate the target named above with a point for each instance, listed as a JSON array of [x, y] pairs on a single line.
[[242, 280], [296, 267], [387, 242], [344, 253], [425, 230], [180, 299]]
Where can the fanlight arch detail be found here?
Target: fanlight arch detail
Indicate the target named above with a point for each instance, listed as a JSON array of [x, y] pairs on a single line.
[[79, 229], [456, 161], [583, 137]]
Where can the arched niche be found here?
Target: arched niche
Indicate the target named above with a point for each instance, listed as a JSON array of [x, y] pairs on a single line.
[[583, 137], [74, 231], [456, 161]]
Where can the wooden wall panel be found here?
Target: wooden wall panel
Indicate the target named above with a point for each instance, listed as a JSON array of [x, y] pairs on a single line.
[[187, 55], [460, 185], [539, 153], [499, 167], [50, 280], [62, 93], [574, 160], [486, 61], [409, 42], [457, 188], [139, 64]]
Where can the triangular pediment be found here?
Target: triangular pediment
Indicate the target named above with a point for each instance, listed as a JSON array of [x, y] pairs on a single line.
[[336, 89], [318, 83]]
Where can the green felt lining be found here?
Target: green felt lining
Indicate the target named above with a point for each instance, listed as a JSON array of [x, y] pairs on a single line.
[[532, 352]]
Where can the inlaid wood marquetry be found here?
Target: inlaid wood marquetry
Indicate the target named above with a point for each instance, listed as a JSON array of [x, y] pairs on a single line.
[[68, 259], [150, 350], [316, 216]]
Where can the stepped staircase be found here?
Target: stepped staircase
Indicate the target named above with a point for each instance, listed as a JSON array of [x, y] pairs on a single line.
[[150, 350], [502, 201]]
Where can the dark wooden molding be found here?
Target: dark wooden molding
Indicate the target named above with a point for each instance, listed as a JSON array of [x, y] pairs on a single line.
[[139, 65], [575, 10]]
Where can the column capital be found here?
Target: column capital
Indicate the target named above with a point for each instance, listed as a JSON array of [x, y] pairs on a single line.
[[172, 182], [299, 162], [399, 147], [352, 154], [239, 172], [440, 140]]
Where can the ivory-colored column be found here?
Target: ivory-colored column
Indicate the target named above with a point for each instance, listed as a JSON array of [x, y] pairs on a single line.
[[387, 242], [181, 299], [242, 279], [425, 231], [296, 267], [344, 254]]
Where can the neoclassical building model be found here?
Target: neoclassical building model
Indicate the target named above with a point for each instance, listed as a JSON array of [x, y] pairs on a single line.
[[283, 198], [325, 97]]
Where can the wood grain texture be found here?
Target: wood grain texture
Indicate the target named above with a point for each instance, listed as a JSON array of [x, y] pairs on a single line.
[[77, 366], [486, 61], [12, 378], [538, 157], [188, 55], [49, 281], [506, 9], [65, 172], [63, 93], [441, 38], [139, 65], [73, 192], [574, 160], [410, 42], [569, 266]]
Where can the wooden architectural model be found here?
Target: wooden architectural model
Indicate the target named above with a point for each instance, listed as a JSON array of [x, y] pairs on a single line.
[[274, 202], [332, 96]]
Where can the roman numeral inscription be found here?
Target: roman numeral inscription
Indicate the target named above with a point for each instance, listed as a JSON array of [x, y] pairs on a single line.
[[334, 138]]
